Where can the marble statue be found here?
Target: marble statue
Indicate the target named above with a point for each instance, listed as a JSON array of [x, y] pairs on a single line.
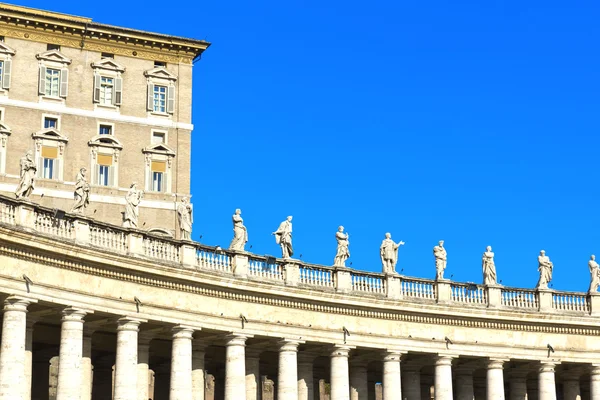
[[185, 217], [82, 193], [240, 233], [28, 171], [594, 274], [389, 254], [545, 268], [132, 210], [343, 253], [489, 267], [283, 237], [439, 252]]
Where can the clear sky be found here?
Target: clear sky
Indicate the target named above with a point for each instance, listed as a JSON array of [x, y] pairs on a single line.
[[471, 121]]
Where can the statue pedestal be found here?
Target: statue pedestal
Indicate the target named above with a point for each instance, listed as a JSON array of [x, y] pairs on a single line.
[[393, 286], [343, 281], [443, 292], [594, 299], [545, 299], [494, 295]]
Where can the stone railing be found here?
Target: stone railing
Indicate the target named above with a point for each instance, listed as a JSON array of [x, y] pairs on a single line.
[[295, 273]]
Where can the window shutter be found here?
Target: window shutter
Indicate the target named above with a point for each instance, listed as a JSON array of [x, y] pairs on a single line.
[[40, 168], [42, 85], [97, 84], [171, 99], [150, 105], [111, 176], [64, 82], [6, 74], [56, 173], [118, 97]]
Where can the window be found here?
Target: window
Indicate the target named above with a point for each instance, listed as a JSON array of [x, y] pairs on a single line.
[[105, 170], [158, 170], [158, 176], [52, 82], [107, 55], [160, 64], [50, 122], [51, 46], [105, 130], [6, 54], [106, 90], [49, 161], [160, 99], [158, 137]]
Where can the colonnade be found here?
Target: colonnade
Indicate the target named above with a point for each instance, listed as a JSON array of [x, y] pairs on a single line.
[[349, 379]]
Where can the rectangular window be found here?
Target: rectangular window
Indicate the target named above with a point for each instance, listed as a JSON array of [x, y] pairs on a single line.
[[105, 130], [158, 137], [107, 55], [52, 82], [160, 64], [105, 162], [103, 175], [51, 46], [106, 90], [159, 169], [160, 99], [49, 162], [50, 122]]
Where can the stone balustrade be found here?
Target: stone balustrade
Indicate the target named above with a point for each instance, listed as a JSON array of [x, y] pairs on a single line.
[[192, 255]]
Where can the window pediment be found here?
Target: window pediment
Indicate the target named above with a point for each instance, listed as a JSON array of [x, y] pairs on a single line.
[[160, 73], [106, 141], [6, 50], [108, 64], [50, 134], [53, 55], [159, 148], [5, 129]]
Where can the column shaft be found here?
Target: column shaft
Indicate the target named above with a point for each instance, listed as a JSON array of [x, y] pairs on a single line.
[[546, 384], [495, 380], [340, 382], [181, 364], [86, 367], [70, 355], [12, 355], [391, 376], [443, 378], [28, 359], [287, 378], [595, 382], [235, 368], [198, 353], [143, 369], [126, 359], [358, 382]]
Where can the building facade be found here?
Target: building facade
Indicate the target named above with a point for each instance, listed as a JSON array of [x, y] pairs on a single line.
[[116, 101]]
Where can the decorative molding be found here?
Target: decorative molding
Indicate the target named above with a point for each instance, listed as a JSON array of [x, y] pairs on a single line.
[[50, 134], [160, 73], [108, 64], [53, 55]]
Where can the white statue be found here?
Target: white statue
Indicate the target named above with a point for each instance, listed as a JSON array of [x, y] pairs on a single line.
[[343, 253], [594, 274], [439, 252], [28, 171], [81, 194], [132, 211], [545, 268], [489, 267], [240, 233], [185, 217], [283, 237], [389, 254]]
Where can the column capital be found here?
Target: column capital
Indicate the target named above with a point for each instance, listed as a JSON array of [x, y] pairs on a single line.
[[548, 366], [129, 324], [341, 350], [237, 339], [595, 369], [74, 314], [393, 355], [496, 363], [18, 303], [182, 332], [444, 359], [289, 345]]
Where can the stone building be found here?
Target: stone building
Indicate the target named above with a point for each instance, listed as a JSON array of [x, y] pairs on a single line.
[[113, 100]]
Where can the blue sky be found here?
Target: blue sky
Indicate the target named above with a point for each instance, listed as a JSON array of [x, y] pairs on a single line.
[[473, 122]]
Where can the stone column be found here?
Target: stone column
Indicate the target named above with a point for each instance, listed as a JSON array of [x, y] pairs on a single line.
[[358, 381], [181, 364], [411, 382], [235, 367], [306, 380], [391, 376], [464, 384], [546, 385], [70, 354], [143, 367], [87, 371], [253, 389], [571, 389], [198, 354], [127, 359], [443, 378], [287, 377], [595, 382], [495, 379], [518, 385], [28, 358], [340, 384], [12, 354]]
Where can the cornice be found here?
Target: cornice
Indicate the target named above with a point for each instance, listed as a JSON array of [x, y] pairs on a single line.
[[113, 270]]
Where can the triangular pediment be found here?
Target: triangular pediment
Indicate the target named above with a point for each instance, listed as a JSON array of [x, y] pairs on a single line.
[[54, 55], [159, 148], [5, 129], [108, 64], [50, 134], [4, 49], [161, 73], [106, 141]]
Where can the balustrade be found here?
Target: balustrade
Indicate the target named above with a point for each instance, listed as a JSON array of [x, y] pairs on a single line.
[[264, 267], [211, 258], [161, 249], [7, 213], [570, 302], [520, 298], [317, 276], [418, 288], [46, 222], [468, 293], [368, 283], [108, 238]]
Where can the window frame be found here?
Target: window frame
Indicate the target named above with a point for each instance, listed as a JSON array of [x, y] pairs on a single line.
[[108, 68], [53, 60], [50, 138]]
